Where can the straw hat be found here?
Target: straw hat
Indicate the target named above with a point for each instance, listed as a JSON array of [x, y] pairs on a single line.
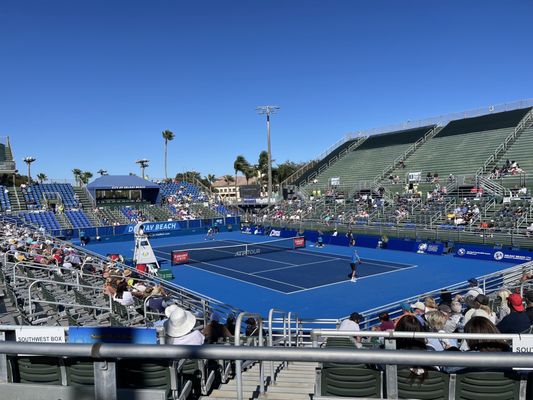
[[180, 322]]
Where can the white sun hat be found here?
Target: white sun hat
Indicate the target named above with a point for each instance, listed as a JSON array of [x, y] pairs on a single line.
[[180, 322]]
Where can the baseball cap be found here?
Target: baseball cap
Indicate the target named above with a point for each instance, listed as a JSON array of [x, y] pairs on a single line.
[[515, 301], [418, 306], [482, 299], [473, 281], [405, 306]]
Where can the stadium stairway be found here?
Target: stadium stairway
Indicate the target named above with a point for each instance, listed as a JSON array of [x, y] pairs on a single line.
[[64, 223], [294, 382], [18, 203], [83, 198]]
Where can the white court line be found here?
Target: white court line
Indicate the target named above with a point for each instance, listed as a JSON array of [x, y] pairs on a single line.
[[236, 279], [247, 273], [309, 252], [347, 281], [295, 265]]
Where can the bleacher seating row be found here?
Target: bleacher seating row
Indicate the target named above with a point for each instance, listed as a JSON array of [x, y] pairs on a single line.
[[460, 147], [45, 219], [5, 204], [35, 193], [78, 219]]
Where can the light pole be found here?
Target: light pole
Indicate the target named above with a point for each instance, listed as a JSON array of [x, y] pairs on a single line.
[[29, 160], [143, 164], [267, 110]]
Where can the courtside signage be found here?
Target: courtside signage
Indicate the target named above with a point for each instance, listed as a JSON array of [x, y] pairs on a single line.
[[299, 242], [40, 335], [180, 257]]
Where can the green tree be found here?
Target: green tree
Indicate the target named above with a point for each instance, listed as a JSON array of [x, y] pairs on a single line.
[[41, 177], [77, 175], [228, 179], [250, 172], [168, 136], [239, 165], [85, 177], [286, 169]]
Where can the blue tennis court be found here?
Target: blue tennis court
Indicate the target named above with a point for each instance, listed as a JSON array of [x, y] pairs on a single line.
[[276, 266]]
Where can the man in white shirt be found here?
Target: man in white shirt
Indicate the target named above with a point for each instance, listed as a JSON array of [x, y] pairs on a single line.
[[474, 290], [351, 323]]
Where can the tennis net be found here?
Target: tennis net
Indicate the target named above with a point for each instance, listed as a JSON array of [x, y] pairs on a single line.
[[205, 254]]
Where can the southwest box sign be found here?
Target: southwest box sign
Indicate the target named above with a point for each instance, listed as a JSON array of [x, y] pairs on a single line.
[[180, 257], [43, 334]]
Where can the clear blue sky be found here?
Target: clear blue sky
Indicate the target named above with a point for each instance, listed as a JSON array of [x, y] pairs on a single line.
[[91, 84]]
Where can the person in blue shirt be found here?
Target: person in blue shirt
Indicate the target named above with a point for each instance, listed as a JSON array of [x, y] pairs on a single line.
[[354, 262]]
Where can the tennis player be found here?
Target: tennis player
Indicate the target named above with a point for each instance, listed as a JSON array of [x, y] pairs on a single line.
[[210, 234], [355, 261]]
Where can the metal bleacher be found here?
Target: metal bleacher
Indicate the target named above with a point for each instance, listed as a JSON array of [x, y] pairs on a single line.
[[369, 159], [462, 146]]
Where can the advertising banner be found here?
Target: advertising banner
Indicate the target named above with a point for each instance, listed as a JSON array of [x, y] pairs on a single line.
[[492, 254]]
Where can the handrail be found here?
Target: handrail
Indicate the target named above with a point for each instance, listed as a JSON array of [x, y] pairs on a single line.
[[271, 313], [317, 333], [507, 142], [105, 386], [238, 362]]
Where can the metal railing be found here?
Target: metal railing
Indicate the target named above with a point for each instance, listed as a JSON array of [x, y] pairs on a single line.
[[509, 140], [105, 356]]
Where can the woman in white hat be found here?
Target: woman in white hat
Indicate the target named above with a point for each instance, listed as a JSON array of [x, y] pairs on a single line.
[[179, 325]]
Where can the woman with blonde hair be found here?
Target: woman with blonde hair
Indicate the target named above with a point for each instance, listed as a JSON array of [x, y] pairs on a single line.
[[504, 309]]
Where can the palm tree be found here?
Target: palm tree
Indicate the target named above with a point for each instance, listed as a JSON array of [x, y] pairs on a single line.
[[41, 177], [211, 178], [85, 176], [228, 179], [77, 175], [239, 165], [168, 136], [250, 172]]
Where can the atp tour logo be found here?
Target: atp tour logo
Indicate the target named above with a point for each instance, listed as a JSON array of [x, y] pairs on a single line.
[[422, 247], [250, 252], [461, 252], [498, 256]]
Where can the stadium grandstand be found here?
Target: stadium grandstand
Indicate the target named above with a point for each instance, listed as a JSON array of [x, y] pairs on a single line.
[[240, 306]]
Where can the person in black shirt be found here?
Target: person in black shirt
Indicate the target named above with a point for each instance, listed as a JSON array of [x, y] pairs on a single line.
[[529, 304], [517, 321]]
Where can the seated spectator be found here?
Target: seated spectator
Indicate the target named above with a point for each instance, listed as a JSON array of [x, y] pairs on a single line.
[[123, 295], [504, 306], [529, 303], [385, 323], [474, 289], [409, 323], [351, 323], [436, 320], [418, 311], [517, 321], [431, 304], [455, 322], [483, 325], [230, 323], [214, 330], [478, 307], [179, 325]]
